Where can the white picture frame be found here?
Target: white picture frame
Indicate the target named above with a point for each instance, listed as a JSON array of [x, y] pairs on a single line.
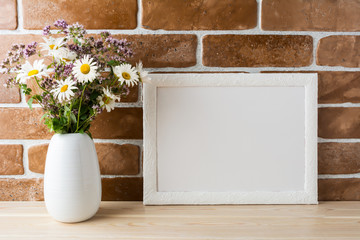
[[287, 101]]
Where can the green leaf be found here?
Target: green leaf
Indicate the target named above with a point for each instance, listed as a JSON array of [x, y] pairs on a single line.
[[37, 97], [29, 102], [94, 95], [89, 133], [83, 117], [113, 63], [43, 116], [73, 118]]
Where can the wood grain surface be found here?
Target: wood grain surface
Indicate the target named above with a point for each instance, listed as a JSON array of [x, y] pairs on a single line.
[[132, 220]]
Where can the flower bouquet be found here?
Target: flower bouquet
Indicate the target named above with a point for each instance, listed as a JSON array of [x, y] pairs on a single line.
[[73, 77], [78, 75]]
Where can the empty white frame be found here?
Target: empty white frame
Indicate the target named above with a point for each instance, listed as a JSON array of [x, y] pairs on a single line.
[[230, 139]]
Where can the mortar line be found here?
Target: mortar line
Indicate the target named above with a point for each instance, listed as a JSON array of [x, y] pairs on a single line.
[[199, 50], [316, 40], [345, 105], [338, 176], [140, 30], [26, 159], [41, 176], [139, 15], [338, 140], [20, 17], [259, 9], [139, 104]]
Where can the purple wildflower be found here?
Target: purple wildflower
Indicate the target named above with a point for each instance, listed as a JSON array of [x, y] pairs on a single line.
[[76, 31], [15, 47], [30, 49], [126, 90], [61, 23], [68, 69], [75, 48], [105, 34], [97, 109], [46, 30], [48, 83], [10, 82], [63, 70]]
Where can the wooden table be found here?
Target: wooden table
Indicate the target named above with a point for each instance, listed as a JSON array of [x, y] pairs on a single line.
[[132, 220]]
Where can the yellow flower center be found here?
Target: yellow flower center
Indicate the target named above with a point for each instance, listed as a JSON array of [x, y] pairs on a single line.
[[33, 72], [126, 75], [85, 68], [52, 46], [106, 100], [64, 88]]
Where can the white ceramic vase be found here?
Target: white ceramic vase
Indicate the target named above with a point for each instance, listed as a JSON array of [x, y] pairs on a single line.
[[72, 183]]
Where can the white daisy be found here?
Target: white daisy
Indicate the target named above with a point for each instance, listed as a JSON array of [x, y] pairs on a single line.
[[52, 45], [85, 69], [66, 55], [143, 74], [27, 71], [107, 99], [64, 89], [126, 73]]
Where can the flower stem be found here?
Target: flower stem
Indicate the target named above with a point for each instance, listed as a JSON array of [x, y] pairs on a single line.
[[36, 80], [78, 118], [69, 122], [83, 124]]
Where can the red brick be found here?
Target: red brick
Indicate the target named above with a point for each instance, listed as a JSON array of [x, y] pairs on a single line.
[[114, 159], [167, 50], [257, 50], [339, 122], [199, 15], [133, 95], [21, 189], [95, 14], [339, 87], [338, 158], [37, 157], [8, 40], [8, 95], [339, 51], [22, 123], [122, 189], [11, 157], [311, 15], [8, 16], [121, 123], [333, 86], [340, 189]]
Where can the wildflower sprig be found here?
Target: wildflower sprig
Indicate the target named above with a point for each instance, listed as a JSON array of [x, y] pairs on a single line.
[[74, 76]]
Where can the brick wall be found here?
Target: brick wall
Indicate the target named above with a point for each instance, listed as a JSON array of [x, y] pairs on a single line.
[[252, 36]]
